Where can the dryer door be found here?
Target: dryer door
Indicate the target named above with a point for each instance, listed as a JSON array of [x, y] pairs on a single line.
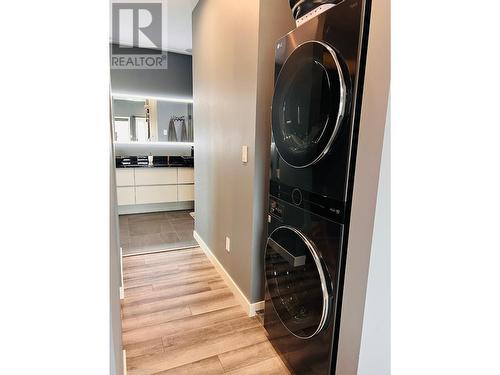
[[297, 282], [309, 103]]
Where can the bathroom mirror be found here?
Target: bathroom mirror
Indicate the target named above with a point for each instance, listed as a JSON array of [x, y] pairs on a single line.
[[145, 120]]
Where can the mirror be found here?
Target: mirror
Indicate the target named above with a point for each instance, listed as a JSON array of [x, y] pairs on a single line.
[[145, 120]]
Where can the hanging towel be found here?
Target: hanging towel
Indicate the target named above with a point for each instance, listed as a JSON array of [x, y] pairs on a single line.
[[184, 136], [172, 135]]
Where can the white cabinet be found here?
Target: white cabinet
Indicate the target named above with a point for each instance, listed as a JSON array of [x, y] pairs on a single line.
[[155, 176], [155, 194], [185, 175], [125, 195], [125, 177], [185, 189], [137, 186], [185, 193]]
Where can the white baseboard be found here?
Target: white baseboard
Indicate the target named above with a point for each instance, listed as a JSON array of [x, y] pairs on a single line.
[[121, 272], [250, 308], [124, 362], [260, 305], [155, 207]]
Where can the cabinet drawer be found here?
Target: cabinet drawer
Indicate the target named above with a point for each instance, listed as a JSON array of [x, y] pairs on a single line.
[[186, 193], [155, 176], [155, 194], [124, 177], [185, 175], [125, 196]]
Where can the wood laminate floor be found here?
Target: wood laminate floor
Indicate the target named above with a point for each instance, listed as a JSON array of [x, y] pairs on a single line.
[[179, 317]]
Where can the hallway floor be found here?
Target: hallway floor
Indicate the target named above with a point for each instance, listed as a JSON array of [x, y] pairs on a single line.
[[155, 231], [179, 317]]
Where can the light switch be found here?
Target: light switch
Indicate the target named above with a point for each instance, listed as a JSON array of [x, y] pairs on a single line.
[[244, 154], [228, 244]]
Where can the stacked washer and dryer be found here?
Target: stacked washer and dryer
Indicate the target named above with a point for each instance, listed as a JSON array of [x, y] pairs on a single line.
[[315, 120]]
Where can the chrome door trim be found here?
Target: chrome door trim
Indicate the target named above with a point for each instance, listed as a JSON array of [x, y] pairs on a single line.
[[342, 104], [298, 4], [323, 278]]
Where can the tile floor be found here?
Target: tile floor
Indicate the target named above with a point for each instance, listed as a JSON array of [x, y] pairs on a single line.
[[156, 231]]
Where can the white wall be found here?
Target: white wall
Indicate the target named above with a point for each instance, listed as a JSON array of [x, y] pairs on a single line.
[[373, 119], [116, 354], [375, 352]]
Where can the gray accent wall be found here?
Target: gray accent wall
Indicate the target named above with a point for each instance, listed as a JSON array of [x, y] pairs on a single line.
[[165, 111], [233, 74], [175, 81], [275, 21]]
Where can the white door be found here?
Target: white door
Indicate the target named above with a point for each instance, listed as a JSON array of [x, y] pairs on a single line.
[[141, 129], [122, 129]]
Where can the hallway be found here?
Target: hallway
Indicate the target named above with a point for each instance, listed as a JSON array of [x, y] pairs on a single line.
[[179, 317]]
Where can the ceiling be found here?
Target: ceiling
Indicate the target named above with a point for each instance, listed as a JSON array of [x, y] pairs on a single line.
[[180, 25], [178, 35]]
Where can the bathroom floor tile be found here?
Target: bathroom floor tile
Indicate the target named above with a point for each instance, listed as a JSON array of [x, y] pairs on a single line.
[[141, 233]]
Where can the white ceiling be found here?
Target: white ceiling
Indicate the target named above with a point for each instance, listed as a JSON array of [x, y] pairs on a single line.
[[179, 26]]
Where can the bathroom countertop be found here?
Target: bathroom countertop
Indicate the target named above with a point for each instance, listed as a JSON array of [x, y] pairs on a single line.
[[158, 162]]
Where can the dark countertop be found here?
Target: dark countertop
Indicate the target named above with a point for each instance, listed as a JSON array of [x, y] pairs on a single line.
[[158, 162]]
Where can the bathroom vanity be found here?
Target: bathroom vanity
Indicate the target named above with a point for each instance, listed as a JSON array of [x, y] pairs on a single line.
[[164, 130], [166, 184]]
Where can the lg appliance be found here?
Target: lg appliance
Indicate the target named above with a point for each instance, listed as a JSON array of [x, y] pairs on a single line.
[[302, 8], [315, 119]]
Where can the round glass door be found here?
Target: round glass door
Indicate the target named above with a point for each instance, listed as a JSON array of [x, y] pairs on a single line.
[[309, 104], [296, 282]]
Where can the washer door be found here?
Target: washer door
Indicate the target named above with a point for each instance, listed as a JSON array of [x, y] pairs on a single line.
[[297, 282], [309, 104]]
